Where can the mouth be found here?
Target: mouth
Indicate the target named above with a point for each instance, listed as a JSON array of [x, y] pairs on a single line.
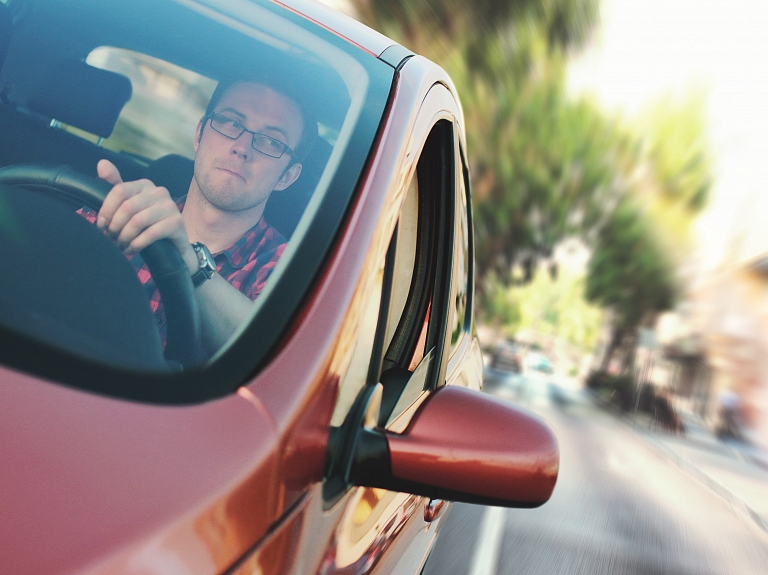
[[232, 172]]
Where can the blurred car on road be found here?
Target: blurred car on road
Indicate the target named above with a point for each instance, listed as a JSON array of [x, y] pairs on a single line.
[[537, 361], [507, 357], [327, 434]]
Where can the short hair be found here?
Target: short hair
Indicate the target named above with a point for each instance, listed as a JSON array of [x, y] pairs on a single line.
[[282, 87]]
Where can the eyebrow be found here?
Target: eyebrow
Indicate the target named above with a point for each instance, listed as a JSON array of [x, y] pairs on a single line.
[[242, 116]]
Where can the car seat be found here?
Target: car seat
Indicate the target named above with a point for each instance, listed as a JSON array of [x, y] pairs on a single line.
[[81, 95], [76, 94]]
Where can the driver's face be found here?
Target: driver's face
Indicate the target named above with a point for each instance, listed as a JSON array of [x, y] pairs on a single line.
[[231, 174]]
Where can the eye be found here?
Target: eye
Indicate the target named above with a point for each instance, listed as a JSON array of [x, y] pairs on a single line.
[[227, 124], [231, 123], [266, 142], [274, 144]]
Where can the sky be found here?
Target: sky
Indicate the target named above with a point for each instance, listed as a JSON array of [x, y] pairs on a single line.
[[646, 49]]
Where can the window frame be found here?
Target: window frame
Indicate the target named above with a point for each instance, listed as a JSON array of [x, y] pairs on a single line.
[[469, 250], [430, 291]]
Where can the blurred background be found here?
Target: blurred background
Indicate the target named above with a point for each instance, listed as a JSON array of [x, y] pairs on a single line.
[[618, 162]]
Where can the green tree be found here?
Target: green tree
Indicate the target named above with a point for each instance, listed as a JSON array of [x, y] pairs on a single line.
[[632, 269], [631, 275], [564, 23], [551, 307], [676, 178]]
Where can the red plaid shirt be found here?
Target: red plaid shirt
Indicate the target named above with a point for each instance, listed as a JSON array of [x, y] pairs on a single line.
[[246, 264]]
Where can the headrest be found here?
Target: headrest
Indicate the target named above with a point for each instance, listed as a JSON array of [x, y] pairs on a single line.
[[82, 96]]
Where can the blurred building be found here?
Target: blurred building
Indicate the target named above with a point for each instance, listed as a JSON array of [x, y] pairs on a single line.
[[717, 341], [682, 360]]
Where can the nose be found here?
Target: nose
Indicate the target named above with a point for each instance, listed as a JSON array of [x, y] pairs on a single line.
[[241, 146]]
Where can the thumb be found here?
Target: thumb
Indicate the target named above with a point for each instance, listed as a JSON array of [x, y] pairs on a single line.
[[108, 171]]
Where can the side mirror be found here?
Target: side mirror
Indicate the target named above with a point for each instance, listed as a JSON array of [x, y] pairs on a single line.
[[462, 445]]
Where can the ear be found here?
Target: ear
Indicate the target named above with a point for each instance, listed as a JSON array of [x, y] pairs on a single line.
[[198, 135], [288, 177]]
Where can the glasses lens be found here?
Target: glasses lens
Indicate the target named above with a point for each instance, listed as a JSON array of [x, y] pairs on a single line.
[[268, 146], [226, 126]]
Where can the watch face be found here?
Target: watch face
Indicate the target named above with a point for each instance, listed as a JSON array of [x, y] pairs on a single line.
[[205, 259]]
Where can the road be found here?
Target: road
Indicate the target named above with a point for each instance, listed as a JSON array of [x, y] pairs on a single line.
[[619, 507]]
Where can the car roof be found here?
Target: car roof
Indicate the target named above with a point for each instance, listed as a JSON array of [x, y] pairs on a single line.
[[340, 24]]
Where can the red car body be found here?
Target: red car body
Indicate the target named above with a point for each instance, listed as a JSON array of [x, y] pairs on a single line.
[[262, 478]]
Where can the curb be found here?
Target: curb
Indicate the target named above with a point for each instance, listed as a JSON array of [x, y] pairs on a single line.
[[685, 465]]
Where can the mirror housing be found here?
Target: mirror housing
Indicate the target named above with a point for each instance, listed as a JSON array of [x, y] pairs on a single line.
[[463, 445]]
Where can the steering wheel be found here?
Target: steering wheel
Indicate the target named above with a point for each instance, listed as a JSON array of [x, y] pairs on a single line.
[[164, 261]]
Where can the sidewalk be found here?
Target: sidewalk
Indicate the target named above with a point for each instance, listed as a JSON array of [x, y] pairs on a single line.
[[735, 471]]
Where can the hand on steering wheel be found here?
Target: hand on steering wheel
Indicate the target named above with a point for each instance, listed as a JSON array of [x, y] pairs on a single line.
[[170, 272]]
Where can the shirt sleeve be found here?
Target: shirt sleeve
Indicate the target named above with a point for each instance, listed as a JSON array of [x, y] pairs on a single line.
[[88, 214], [262, 269]]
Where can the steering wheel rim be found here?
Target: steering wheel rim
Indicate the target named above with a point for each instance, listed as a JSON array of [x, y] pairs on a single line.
[[170, 273]]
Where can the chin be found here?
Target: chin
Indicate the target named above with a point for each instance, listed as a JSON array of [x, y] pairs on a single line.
[[230, 202]]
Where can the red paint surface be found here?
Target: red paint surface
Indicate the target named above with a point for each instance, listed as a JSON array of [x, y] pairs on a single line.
[[474, 443], [95, 483]]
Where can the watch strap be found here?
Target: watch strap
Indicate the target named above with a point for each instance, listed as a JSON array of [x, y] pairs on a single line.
[[199, 277]]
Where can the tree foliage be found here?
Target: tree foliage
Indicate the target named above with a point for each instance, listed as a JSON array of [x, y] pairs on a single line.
[[632, 271], [628, 271], [547, 307], [564, 23], [544, 170]]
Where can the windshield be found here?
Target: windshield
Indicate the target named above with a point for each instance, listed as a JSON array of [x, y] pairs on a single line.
[[248, 126]]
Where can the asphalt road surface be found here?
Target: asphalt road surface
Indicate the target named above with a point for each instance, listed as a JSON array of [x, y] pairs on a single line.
[[618, 507]]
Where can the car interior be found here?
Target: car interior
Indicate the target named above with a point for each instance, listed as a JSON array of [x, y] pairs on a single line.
[[57, 110]]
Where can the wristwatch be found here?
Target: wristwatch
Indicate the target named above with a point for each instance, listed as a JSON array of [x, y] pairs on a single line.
[[207, 265]]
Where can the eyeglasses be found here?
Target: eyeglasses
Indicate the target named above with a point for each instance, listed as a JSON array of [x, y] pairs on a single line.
[[262, 143]]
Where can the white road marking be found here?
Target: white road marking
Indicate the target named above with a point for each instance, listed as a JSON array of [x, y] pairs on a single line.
[[488, 542]]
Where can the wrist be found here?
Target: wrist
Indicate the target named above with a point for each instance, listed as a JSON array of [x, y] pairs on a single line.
[[190, 258]]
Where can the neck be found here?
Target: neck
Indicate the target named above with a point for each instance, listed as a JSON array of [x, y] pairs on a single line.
[[216, 228]]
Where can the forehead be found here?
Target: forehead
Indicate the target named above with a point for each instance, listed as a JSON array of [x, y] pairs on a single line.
[[263, 107]]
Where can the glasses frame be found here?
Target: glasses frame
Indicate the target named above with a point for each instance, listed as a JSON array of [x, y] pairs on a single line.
[[286, 148]]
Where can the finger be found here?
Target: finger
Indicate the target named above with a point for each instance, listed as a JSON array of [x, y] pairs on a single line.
[[135, 203], [115, 200], [166, 228], [109, 172], [146, 218]]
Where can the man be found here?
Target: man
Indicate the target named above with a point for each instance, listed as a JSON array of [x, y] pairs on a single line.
[[245, 149]]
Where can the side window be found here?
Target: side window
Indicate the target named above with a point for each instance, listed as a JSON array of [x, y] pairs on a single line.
[[416, 325], [404, 322], [404, 333]]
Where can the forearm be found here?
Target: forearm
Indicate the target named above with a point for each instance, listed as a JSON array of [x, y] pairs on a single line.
[[222, 307], [222, 310]]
